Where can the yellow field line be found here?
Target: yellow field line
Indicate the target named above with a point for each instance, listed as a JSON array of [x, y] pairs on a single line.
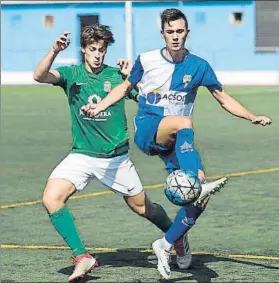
[[240, 256], [156, 186], [42, 247], [12, 205], [20, 204], [245, 173]]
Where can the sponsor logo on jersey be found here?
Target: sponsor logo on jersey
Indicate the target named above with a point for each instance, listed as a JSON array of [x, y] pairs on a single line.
[[172, 97], [186, 80], [107, 86], [102, 116], [154, 97]]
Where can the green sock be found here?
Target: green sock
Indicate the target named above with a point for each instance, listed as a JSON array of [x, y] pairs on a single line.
[[64, 224], [161, 219], [156, 214]]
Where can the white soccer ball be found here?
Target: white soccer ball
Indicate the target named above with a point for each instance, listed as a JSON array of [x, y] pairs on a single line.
[[182, 187]]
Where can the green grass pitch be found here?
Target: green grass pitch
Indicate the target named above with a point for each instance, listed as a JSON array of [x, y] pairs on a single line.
[[241, 220]]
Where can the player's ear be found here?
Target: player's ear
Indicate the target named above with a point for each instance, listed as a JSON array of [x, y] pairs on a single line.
[[82, 50], [188, 31]]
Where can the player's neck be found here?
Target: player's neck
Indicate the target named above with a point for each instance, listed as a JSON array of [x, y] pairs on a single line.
[[175, 56]]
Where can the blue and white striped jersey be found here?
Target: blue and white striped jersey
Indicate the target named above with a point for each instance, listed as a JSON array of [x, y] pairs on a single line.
[[168, 88]]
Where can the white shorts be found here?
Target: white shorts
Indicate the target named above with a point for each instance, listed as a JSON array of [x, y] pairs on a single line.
[[118, 173]]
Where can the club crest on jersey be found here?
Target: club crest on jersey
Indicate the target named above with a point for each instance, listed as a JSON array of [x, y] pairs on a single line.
[[154, 96], [94, 98], [186, 80], [107, 86]]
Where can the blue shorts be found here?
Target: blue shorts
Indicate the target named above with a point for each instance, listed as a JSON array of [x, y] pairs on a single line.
[[146, 128]]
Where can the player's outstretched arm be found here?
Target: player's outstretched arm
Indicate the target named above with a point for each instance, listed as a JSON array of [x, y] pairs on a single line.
[[234, 107], [42, 73], [114, 96]]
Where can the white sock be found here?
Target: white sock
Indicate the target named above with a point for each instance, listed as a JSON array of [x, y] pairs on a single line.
[[165, 244]]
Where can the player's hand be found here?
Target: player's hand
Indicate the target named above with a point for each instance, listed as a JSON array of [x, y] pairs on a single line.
[[91, 109], [62, 42], [125, 66], [261, 120]]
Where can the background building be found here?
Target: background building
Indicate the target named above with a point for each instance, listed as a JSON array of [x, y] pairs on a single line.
[[240, 39]]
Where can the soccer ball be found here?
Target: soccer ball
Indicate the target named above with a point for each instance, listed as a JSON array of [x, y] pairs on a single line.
[[182, 187]]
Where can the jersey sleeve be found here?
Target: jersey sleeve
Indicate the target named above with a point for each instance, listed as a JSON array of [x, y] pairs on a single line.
[[210, 80], [65, 75], [136, 72]]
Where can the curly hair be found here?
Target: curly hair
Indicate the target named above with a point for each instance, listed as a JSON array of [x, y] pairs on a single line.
[[170, 15], [96, 33]]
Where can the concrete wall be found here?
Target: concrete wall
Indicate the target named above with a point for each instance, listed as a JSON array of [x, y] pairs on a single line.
[[229, 48]]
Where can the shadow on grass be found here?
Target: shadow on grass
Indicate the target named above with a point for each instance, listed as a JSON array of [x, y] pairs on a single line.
[[133, 258]]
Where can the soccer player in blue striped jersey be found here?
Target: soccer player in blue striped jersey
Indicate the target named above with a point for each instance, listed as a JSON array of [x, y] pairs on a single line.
[[168, 80]]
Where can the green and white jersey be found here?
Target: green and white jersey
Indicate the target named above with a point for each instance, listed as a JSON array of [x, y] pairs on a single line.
[[104, 135]]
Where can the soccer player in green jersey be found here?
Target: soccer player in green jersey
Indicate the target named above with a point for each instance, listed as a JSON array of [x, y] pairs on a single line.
[[100, 144]]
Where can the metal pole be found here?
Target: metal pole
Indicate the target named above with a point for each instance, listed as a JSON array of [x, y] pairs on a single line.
[[129, 33]]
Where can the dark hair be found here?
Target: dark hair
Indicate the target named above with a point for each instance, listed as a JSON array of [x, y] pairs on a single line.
[[96, 33], [170, 15]]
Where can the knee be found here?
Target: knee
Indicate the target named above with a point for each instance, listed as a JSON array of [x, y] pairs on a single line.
[[52, 202], [183, 123], [55, 196], [49, 198]]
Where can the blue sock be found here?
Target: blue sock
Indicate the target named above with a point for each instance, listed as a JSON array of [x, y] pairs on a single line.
[[185, 219], [187, 156], [199, 163], [172, 164]]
